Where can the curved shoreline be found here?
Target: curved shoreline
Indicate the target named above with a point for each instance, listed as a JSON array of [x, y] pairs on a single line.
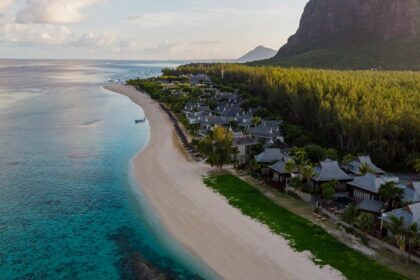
[[231, 244]]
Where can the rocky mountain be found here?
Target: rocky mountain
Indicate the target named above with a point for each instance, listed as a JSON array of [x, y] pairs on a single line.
[[259, 53], [355, 34]]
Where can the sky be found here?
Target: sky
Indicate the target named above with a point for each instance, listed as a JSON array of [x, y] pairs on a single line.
[[144, 29]]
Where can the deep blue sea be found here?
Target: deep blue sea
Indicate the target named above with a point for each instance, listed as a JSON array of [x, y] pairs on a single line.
[[69, 207]]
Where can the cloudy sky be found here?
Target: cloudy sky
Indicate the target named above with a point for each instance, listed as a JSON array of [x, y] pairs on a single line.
[[144, 29]]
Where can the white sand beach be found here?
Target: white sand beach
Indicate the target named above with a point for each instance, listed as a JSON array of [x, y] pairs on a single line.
[[231, 244]]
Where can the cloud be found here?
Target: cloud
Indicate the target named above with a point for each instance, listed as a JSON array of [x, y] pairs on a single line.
[[127, 46], [205, 16], [90, 40], [5, 4], [185, 49], [40, 34], [53, 11]]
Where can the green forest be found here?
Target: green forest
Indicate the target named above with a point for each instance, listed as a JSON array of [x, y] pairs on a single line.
[[374, 112]]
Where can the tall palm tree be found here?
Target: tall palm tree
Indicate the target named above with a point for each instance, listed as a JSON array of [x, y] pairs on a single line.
[[412, 235], [365, 223], [391, 192], [397, 233], [347, 159], [299, 164], [307, 172], [350, 215], [364, 168]]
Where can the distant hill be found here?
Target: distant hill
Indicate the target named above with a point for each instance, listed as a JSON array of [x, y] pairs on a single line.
[[356, 34], [259, 53]]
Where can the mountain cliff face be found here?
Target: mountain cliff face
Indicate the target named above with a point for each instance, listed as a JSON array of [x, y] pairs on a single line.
[[345, 27]]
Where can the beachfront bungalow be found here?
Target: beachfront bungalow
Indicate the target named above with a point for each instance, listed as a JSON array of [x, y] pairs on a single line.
[[279, 174], [244, 122], [229, 97], [199, 79], [207, 123], [195, 117], [327, 171], [412, 192], [193, 107], [267, 132], [354, 166], [367, 186], [371, 206], [270, 155], [243, 144], [410, 214]]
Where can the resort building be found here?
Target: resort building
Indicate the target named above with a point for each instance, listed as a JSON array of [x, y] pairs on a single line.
[[267, 132], [243, 144], [367, 186], [208, 123], [199, 79], [355, 166], [412, 192], [270, 155], [279, 174], [371, 206], [410, 214], [327, 171]]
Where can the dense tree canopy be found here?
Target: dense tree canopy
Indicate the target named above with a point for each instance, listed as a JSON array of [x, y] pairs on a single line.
[[371, 112]]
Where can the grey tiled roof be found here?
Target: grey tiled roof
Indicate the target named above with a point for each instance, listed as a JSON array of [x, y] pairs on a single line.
[[280, 166], [412, 192], [354, 166], [240, 140], [266, 129], [329, 170], [371, 182], [411, 214], [213, 120], [269, 156], [371, 206]]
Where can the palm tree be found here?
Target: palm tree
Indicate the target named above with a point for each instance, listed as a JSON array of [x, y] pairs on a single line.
[[412, 235], [395, 227], [391, 192], [300, 164], [365, 223], [290, 166], [307, 172], [328, 190], [347, 159], [350, 215], [364, 168]]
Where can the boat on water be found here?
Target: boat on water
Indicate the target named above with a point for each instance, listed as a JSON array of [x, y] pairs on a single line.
[[140, 121]]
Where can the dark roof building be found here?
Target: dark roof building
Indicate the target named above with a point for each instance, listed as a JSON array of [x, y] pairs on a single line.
[[267, 131], [354, 166], [412, 192], [329, 170], [410, 214], [280, 166], [371, 182], [371, 206], [269, 155]]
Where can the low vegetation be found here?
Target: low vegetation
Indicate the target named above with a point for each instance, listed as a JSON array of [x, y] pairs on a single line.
[[302, 234]]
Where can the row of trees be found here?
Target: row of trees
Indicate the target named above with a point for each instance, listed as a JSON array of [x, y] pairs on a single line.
[[356, 111]]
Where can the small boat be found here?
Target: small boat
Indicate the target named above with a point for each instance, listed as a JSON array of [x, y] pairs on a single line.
[[140, 121]]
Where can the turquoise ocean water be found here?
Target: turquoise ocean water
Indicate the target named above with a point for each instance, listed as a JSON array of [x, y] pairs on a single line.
[[69, 207]]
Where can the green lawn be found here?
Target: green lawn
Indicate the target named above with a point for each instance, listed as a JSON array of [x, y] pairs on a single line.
[[301, 233]]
